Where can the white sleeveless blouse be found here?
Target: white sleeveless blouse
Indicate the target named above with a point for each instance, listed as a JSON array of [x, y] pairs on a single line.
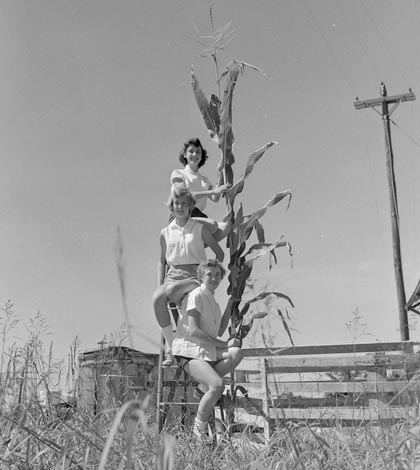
[[184, 245]]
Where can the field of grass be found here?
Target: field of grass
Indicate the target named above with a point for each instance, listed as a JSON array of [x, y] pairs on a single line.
[[126, 438], [36, 434]]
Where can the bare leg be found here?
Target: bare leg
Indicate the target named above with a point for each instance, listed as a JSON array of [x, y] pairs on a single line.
[[229, 360], [160, 301], [211, 378], [160, 306], [204, 373], [177, 290]]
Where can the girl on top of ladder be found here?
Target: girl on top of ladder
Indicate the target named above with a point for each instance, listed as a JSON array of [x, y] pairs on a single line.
[[193, 156], [182, 248]]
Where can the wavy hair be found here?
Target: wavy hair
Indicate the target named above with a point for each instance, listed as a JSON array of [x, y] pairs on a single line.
[[177, 191], [196, 142], [210, 263]]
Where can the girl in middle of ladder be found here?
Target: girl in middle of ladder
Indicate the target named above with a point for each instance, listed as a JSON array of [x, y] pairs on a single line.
[[182, 249]]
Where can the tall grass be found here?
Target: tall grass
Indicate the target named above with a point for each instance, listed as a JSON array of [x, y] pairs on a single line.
[[35, 437], [114, 440]]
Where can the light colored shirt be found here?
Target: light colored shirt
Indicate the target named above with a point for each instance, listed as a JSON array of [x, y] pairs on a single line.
[[202, 300], [194, 182], [184, 245]]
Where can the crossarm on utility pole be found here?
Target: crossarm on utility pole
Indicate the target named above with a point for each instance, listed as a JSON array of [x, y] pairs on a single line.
[[361, 104]]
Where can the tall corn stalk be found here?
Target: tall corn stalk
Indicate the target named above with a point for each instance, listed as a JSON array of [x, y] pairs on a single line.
[[217, 115]]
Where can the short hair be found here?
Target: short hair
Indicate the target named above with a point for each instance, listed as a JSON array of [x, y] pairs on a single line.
[[196, 142], [177, 191], [210, 263]]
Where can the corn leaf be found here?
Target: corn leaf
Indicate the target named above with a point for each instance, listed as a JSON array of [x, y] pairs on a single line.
[[259, 230], [241, 267], [241, 65], [251, 161], [262, 296], [226, 138], [244, 329], [285, 326], [209, 110], [267, 247], [237, 283], [244, 227]]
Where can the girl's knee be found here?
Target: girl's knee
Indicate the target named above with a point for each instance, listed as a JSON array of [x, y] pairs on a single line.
[[175, 292], [169, 291], [160, 307], [217, 387], [159, 296]]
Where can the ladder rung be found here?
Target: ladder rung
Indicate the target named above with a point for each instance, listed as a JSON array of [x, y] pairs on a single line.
[[179, 403], [174, 383]]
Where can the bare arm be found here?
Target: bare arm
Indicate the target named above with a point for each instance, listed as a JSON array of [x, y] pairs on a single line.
[[197, 333], [212, 193], [209, 241], [162, 261], [218, 191]]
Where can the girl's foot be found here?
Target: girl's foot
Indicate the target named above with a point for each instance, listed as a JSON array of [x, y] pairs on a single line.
[[201, 435]]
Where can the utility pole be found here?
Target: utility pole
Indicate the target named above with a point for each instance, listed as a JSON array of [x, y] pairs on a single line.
[[384, 101]]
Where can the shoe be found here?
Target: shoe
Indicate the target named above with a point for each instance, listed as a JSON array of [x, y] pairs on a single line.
[[169, 360], [202, 436]]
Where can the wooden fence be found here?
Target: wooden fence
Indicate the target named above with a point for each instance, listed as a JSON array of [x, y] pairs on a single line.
[[351, 384]]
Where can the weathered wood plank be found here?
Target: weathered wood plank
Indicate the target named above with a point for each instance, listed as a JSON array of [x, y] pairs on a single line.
[[392, 386], [326, 364], [265, 397], [406, 346], [333, 363], [340, 387], [333, 415], [350, 413]]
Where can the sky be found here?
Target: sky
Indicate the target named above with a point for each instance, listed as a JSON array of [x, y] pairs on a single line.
[[96, 102]]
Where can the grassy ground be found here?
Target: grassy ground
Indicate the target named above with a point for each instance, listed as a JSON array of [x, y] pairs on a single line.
[[37, 435], [126, 438]]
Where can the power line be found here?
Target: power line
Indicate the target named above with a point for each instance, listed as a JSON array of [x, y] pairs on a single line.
[[384, 43], [405, 133], [358, 40], [329, 47]]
